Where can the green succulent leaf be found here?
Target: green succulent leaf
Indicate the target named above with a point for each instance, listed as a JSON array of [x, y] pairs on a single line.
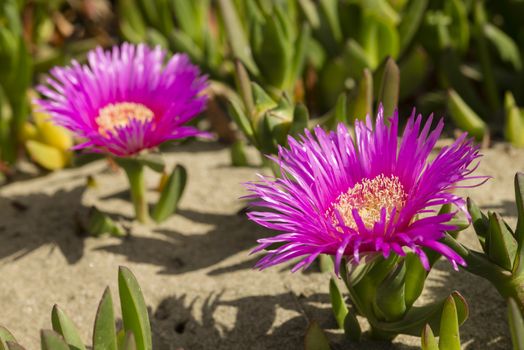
[[501, 245], [514, 126], [129, 342], [413, 71], [518, 267], [428, 340], [50, 340], [507, 49], [338, 304], [315, 338], [390, 296], [417, 317], [516, 325], [389, 88], [244, 88], [453, 78], [182, 42], [449, 337], [361, 105], [236, 35], [134, 310], [64, 326], [5, 336], [415, 278], [411, 20], [355, 59], [464, 117], [104, 332], [100, 223], [459, 24], [132, 23], [300, 120], [480, 222], [171, 194], [241, 120], [263, 102]]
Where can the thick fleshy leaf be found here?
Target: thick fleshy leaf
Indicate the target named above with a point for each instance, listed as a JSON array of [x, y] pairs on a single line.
[[415, 278], [501, 245], [361, 105], [134, 309], [263, 102], [241, 120], [413, 71], [132, 23], [64, 326], [5, 336], [340, 113], [50, 340], [480, 222], [464, 117], [390, 295], [449, 336], [514, 126], [355, 59], [484, 56], [428, 340], [411, 21], [338, 304], [452, 78], [99, 223], [417, 317], [300, 120], [518, 267], [47, 156], [516, 325], [389, 88], [236, 35], [173, 190], [129, 342], [104, 332], [506, 47], [315, 338], [246, 92]]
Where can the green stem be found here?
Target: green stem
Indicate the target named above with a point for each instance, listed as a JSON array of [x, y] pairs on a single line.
[[135, 174]]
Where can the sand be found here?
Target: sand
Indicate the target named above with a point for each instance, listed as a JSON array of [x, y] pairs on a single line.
[[194, 269]]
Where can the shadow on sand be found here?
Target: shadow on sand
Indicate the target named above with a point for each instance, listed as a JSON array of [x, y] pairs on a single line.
[[31, 221], [179, 253]]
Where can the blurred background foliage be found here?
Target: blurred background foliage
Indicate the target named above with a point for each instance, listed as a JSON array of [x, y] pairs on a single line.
[[277, 66]]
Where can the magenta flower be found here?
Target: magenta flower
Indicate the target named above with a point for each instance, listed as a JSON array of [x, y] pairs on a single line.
[[374, 194], [126, 100]]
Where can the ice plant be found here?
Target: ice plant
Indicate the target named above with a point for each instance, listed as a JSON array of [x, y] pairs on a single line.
[[349, 197], [125, 101]]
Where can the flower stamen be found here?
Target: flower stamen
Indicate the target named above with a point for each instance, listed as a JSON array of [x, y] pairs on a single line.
[[117, 115], [369, 196]]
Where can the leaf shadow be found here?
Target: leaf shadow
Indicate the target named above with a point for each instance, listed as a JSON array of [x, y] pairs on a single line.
[[35, 220], [179, 253]]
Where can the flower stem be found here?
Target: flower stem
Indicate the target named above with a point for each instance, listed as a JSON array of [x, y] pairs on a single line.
[[135, 174]]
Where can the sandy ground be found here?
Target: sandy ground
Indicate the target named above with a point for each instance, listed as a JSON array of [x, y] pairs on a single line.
[[194, 269]]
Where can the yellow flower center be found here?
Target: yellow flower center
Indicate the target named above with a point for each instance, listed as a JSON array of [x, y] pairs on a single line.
[[117, 115], [369, 196]]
